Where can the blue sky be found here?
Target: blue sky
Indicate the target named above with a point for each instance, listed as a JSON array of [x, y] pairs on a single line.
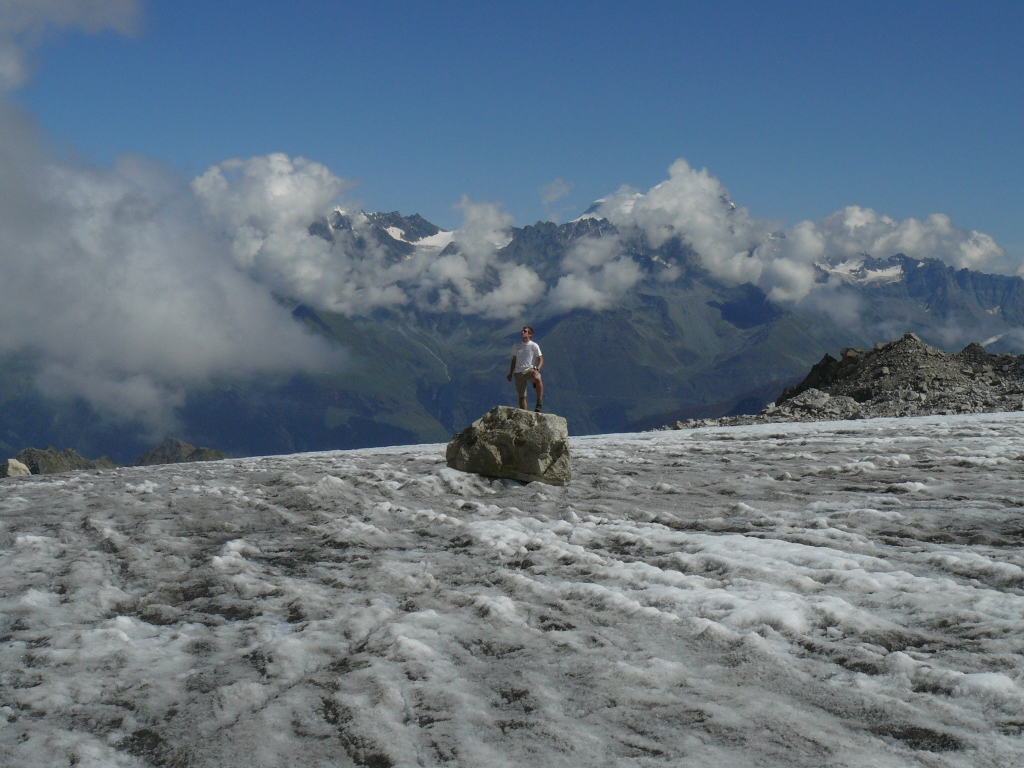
[[798, 108]]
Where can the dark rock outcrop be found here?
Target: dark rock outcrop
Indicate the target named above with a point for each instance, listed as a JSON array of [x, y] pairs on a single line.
[[513, 443], [175, 451], [905, 377], [49, 460]]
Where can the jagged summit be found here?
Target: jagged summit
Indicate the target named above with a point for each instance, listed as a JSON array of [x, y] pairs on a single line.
[[862, 270], [410, 229]]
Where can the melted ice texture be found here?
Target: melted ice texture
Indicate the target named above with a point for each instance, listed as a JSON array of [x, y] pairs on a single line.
[[841, 593]]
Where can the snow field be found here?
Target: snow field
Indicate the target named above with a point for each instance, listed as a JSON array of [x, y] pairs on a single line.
[[837, 593]]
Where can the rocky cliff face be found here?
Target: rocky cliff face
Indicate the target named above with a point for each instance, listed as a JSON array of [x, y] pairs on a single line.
[[905, 377]]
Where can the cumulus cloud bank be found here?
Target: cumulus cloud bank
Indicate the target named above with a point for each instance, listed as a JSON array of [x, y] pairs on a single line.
[[694, 206], [856, 230], [597, 275], [265, 205], [110, 282], [473, 280]]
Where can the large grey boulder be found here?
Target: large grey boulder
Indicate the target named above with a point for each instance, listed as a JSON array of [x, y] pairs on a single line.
[[513, 443], [13, 468]]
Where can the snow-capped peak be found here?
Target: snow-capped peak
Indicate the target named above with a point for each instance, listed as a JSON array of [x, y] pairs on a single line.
[[855, 271]]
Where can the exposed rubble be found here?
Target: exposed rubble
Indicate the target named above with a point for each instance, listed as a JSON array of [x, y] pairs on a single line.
[[49, 461], [905, 377]]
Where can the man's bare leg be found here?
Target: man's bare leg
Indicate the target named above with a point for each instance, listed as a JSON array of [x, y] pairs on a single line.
[[522, 402], [538, 384]]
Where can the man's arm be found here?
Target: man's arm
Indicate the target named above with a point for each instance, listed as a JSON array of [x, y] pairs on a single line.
[[540, 363], [511, 368]]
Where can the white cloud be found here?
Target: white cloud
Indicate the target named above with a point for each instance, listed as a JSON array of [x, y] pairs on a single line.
[[736, 248], [111, 282], [265, 205], [553, 192], [23, 23], [855, 230], [787, 271], [574, 292], [519, 288], [473, 280], [590, 253], [108, 280], [597, 275], [485, 229], [695, 206]]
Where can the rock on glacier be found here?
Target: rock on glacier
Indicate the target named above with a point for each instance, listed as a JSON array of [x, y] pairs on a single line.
[[13, 468], [513, 443]]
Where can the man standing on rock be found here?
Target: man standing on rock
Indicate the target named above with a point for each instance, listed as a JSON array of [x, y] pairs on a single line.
[[526, 364]]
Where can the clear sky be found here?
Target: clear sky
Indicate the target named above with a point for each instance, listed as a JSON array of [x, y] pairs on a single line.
[[910, 108]]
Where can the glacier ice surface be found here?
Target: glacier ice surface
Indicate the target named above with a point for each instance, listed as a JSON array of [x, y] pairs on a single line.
[[838, 593]]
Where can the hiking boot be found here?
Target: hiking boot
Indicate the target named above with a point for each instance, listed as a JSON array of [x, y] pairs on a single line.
[[539, 408]]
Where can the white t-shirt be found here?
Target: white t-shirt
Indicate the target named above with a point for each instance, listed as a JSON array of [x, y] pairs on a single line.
[[527, 355]]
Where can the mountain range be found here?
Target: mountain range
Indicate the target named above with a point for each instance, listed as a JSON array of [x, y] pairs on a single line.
[[681, 343]]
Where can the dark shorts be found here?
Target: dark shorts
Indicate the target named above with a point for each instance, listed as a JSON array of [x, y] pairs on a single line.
[[524, 378]]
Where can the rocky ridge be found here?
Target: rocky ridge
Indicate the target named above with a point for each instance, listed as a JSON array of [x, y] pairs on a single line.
[[175, 451], [905, 377], [48, 461]]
